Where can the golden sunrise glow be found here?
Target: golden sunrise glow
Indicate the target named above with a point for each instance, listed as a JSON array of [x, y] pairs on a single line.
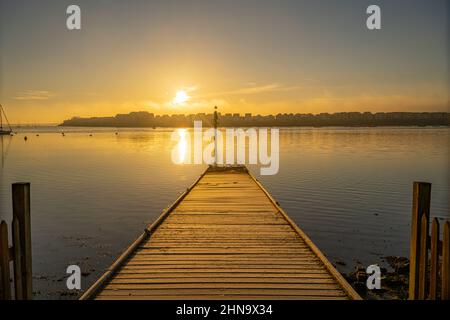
[[184, 59], [181, 97], [182, 148]]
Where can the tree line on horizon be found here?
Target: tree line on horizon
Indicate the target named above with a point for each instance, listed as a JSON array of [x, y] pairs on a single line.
[[147, 119]]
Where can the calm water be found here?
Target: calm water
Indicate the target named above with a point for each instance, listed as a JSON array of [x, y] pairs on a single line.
[[348, 188]]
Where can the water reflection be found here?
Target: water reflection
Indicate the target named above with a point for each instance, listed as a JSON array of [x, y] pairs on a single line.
[[5, 143], [348, 188], [182, 147]]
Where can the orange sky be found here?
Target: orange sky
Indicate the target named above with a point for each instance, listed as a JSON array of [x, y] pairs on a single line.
[[137, 57]]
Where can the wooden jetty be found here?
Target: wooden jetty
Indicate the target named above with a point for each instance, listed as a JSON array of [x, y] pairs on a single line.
[[224, 238]]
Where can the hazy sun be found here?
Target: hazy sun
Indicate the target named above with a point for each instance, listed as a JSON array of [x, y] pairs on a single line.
[[180, 97]]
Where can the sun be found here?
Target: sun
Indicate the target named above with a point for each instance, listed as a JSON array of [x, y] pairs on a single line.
[[180, 97]]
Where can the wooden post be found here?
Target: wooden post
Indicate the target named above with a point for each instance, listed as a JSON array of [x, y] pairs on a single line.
[[420, 207], [21, 212], [18, 288], [423, 260], [446, 262], [434, 259], [4, 263], [215, 136]]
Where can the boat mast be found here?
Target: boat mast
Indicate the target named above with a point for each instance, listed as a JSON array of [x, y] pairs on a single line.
[[2, 112]]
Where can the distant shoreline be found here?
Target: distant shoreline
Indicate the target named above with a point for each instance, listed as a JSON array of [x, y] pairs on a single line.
[[145, 119]]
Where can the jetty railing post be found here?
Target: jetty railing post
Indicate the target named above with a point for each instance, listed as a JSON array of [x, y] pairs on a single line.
[[18, 288], [5, 288], [423, 260], [446, 262], [434, 259], [21, 212], [420, 207]]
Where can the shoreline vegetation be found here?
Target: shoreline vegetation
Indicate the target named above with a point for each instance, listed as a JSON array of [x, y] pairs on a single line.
[[365, 119]]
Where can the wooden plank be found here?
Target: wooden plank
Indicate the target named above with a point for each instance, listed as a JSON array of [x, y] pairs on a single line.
[[227, 228], [434, 259], [446, 262], [225, 241], [285, 276], [224, 220], [309, 265], [241, 280], [21, 212], [214, 256], [5, 289], [256, 291], [196, 259], [201, 269], [420, 207], [206, 210], [225, 235], [206, 258], [222, 286], [217, 245], [212, 246], [255, 271], [219, 297], [221, 222], [226, 250], [262, 255], [18, 288], [241, 213], [423, 259]]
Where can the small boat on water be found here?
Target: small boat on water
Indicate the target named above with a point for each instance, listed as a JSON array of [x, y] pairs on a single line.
[[4, 131]]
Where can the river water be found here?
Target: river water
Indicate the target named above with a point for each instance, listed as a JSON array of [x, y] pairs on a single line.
[[95, 189]]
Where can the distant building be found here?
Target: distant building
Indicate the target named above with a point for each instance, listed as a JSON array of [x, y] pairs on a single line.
[[146, 119]]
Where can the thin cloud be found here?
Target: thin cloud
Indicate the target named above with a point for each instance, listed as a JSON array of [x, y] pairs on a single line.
[[34, 95], [255, 89]]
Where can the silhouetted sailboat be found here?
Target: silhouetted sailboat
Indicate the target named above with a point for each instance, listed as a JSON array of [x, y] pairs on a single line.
[[2, 130]]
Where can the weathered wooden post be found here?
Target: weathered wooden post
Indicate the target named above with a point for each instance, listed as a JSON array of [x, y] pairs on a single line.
[[18, 288], [420, 207], [434, 259], [423, 258], [21, 213], [446, 262], [5, 285], [215, 136]]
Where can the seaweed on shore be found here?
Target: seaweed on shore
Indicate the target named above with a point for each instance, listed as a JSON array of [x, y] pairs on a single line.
[[394, 282]]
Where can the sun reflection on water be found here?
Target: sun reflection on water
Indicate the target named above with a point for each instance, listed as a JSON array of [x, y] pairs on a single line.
[[182, 145]]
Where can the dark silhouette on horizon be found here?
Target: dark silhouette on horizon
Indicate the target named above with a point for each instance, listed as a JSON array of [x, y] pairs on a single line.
[[364, 119]]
